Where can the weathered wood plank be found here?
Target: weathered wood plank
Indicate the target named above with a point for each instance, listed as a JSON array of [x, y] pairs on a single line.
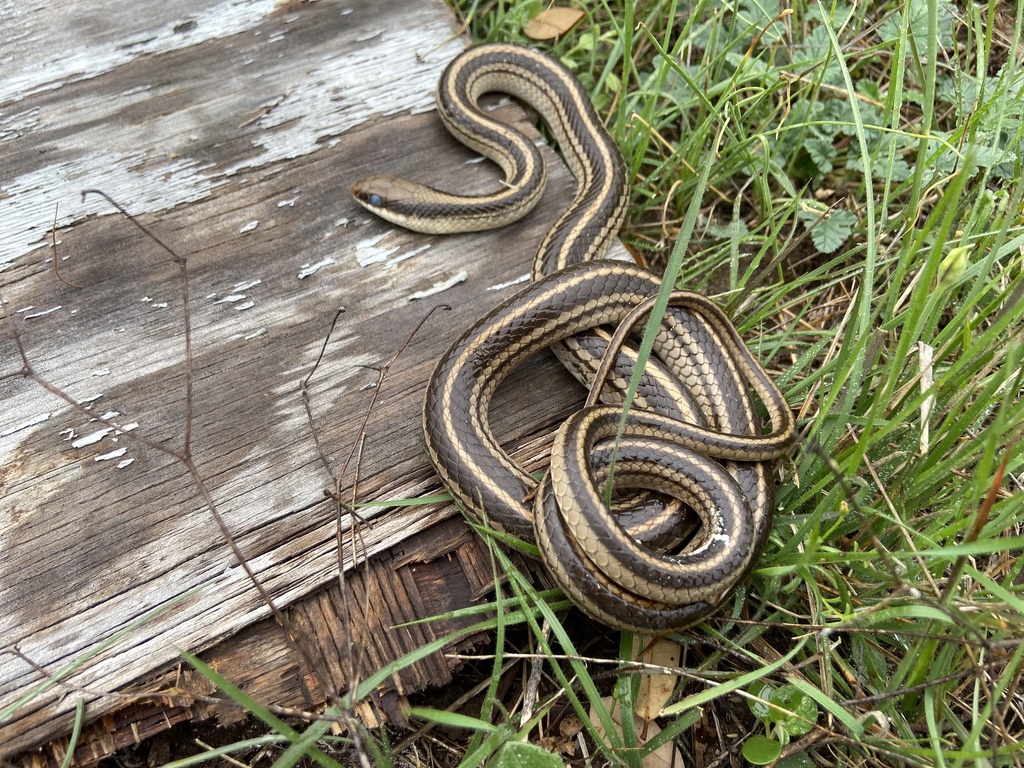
[[233, 130]]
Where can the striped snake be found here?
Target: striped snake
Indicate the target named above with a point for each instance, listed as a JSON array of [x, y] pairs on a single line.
[[692, 433]]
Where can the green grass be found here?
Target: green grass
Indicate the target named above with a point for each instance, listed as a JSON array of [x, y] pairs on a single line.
[[861, 214], [845, 180]]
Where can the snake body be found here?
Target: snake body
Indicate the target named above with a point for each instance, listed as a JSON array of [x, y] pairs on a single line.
[[693, 432]]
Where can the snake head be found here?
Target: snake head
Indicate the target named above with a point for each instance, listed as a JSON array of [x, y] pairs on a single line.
[[376, 193], [418, 207], [404, 203]]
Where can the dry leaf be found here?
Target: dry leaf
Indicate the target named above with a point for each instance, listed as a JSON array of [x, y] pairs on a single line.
[[665, 756], [551, 23], [655, 690], [570, 726]]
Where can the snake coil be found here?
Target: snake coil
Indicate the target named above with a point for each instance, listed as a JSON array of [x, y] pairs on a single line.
[[693, 432]]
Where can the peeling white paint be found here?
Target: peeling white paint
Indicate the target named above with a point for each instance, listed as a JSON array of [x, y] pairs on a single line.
[[30, 422], [307, 270], [440, 286], [15, 126], [115, 454], [367, 251], [94, 437], [26, 202], [44, 313], [524, 278], [407, 255], [151, 166], [44, 56], [394, 71], [397, 73], [248, 227]]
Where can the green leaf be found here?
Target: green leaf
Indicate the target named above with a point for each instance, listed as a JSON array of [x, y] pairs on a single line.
[[207, 756], [794, 711], [796, 760], [760, 750], [830, 231], [759, 707], [837, 711], [451, 719], [889, 29], [953, 266], [898, 170], [522, 754], [822, 152], [735, 683], [75, 732]]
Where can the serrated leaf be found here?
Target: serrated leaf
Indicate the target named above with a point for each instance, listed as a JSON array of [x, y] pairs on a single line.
[[919, 10], [733, 230], [871, 89], [822, 152], [760, 15], [814, 47], [828, 233], [898, 171]]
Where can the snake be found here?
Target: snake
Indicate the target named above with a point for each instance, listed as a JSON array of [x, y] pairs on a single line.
[[692, 433]]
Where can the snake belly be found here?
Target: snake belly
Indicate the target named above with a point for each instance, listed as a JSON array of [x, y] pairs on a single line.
[[693, 432]]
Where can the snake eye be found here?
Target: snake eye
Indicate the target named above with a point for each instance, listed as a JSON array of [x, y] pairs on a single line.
[[376, 201]]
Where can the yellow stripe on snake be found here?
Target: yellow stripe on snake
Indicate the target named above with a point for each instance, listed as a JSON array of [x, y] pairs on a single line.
[[693, 432]]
